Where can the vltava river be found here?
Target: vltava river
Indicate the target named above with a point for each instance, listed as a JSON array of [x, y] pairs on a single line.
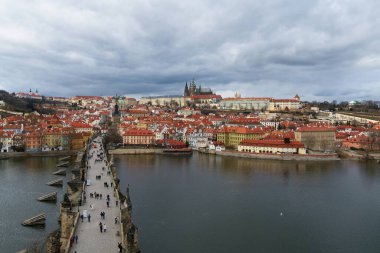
[[22, 180], [219, 204]]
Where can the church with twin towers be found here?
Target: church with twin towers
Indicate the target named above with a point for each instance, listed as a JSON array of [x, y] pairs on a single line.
[[193, 90], [193, 94]]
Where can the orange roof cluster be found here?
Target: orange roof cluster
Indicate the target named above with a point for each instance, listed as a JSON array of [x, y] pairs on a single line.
[[280, 135], [231, 99], [244, 121], [241, 130], [6, 134], [80, 125], [138, 132]]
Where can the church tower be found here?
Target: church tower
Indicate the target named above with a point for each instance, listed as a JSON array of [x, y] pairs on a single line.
[[116, 108], [186, 93], [193, 88]]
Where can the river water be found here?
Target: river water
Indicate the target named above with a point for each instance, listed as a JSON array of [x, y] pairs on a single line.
[[22, 180], [216, 204], [219, 204]]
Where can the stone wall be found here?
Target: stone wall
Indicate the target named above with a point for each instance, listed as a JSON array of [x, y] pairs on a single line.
[[67, 225], [134, 151], [59, 240], [38, 154], [286, 157], [53, 243], [130, 231]]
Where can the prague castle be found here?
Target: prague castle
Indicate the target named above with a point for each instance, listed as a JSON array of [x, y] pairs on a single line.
[[193, 90], [192, 95]]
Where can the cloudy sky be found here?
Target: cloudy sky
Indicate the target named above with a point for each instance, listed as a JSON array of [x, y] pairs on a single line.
[[320, 49]]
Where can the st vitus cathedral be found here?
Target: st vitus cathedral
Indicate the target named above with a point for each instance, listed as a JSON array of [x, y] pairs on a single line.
[[192, 90]]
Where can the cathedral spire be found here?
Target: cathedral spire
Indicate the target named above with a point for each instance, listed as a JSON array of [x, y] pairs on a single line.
[[186, 93]]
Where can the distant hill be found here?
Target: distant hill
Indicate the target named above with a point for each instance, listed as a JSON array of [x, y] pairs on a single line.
[[16, 104], [25, 105]]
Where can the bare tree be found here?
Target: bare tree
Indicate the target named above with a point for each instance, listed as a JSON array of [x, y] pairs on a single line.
[[309, 142], [373, 143]]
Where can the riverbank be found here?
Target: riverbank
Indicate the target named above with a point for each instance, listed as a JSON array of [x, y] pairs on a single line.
[[326, 157], [358, 155], [37, 154], [195, 199], [287, 157], [149, 151]]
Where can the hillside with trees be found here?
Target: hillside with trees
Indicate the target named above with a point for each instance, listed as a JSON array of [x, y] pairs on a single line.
[[25, 105]]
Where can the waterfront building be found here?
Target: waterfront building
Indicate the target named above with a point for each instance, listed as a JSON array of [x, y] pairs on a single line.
[[162, 132], [52, 139], [65, 140], [369, 141], [317, 138], [33, 141], [232, 136], [171, 144], [78, 140], [272, 147], [138, 137], [198, 139], [18, 140], [6, 141], [216, 145]]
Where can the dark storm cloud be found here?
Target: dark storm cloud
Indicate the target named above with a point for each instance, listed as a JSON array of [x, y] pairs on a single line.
[[326, 49]]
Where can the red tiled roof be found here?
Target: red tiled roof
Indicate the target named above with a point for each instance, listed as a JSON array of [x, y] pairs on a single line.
[[245, 120], [80, 125], [247, 98], [241, 130], [138, 132]]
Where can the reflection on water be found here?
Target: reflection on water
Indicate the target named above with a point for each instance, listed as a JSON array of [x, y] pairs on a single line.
[[370, 170], [219, 204], [246, 167], [22, 180]]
